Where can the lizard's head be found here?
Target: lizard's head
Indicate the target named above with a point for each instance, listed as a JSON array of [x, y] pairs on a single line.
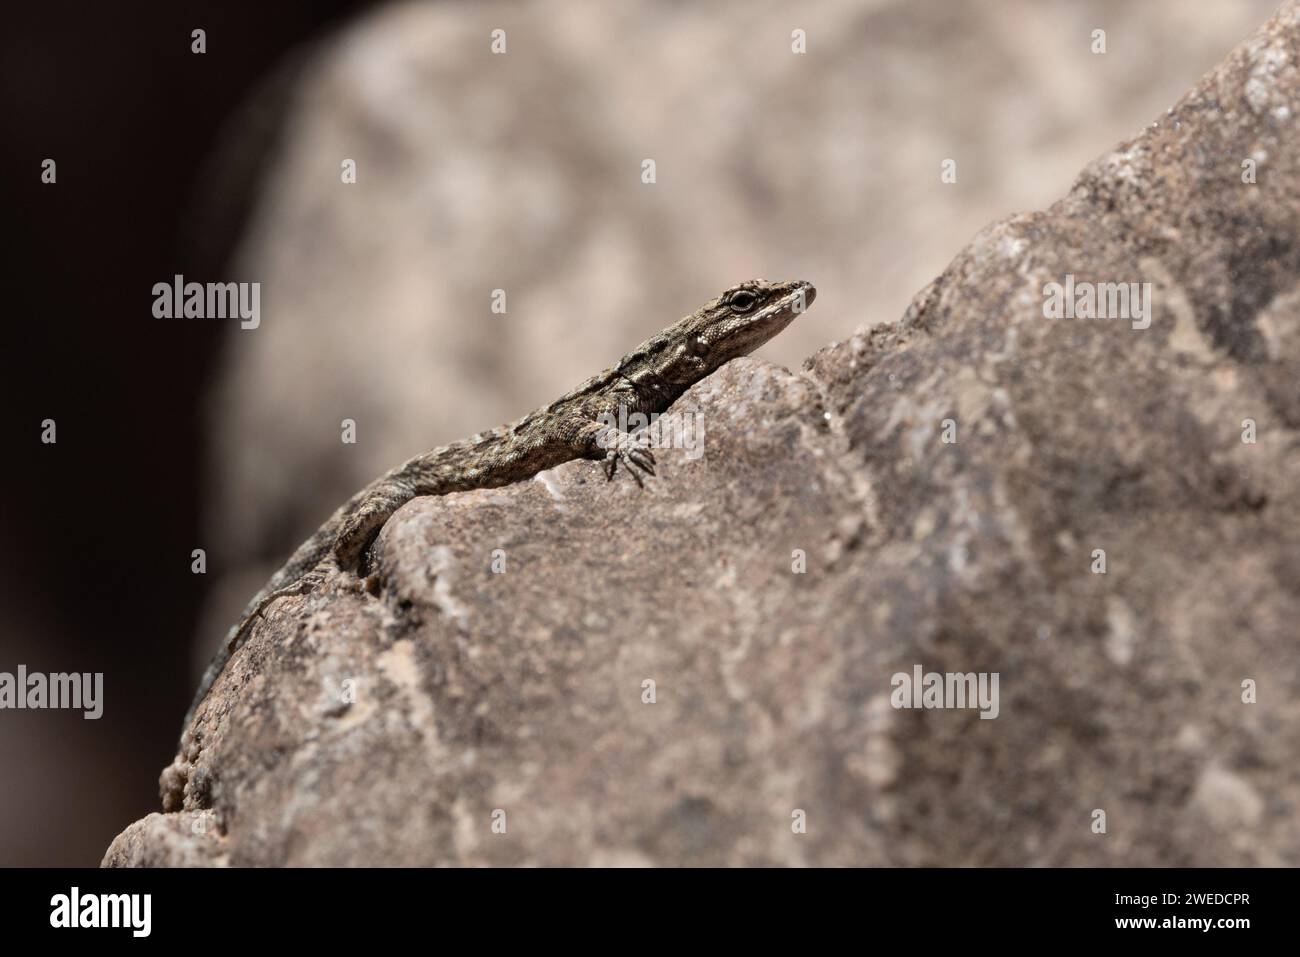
[[735, 324]]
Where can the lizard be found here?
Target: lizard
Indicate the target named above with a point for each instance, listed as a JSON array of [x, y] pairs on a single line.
[[576, 426]]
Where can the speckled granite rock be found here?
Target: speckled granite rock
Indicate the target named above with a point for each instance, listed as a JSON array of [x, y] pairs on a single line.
[[414, 723]]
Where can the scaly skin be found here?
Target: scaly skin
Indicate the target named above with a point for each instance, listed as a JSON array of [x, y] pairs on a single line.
[[647, 380]]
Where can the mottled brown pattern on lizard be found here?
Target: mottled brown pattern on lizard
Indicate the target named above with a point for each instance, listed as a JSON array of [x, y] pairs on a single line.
[[647, 380]]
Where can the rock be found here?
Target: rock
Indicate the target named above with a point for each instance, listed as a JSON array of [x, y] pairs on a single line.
[[645, 677], [185, 839]]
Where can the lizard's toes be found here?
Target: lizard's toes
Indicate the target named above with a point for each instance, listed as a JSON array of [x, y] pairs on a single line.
[[636, 458], [643, 459]]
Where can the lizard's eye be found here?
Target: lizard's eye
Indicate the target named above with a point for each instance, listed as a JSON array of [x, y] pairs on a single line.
[[742, 301]]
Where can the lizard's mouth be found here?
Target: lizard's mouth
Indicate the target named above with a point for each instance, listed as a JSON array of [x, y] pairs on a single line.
[[798, 297], [778, 314]]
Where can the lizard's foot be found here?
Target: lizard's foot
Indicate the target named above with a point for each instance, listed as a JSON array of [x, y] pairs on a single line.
[[303, 586], [632, 452]]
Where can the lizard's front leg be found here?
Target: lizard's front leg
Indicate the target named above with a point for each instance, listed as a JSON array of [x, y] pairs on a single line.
[[609, 446]]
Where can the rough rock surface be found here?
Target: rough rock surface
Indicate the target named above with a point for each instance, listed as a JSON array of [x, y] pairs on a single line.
[[398, 725]]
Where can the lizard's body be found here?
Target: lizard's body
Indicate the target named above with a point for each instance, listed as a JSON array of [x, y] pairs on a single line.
[[647, 380]]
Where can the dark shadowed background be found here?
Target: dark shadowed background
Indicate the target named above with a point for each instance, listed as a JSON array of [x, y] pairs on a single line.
[[92, 524], [519, 172]]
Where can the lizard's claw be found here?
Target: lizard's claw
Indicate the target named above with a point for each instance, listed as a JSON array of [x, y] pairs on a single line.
[[644, 459], [305, 585], [636, 458]]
